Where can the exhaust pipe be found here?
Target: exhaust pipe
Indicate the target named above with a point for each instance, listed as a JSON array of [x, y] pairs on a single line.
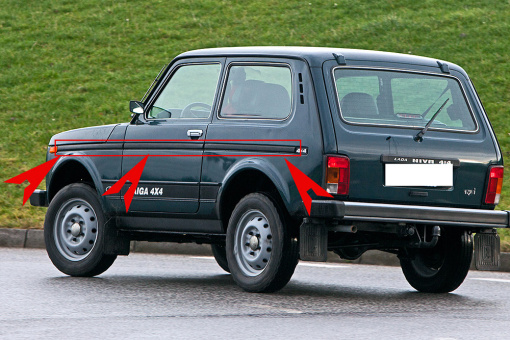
[[345, 229]]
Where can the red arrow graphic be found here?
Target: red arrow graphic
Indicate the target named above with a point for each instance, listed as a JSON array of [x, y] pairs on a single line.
[[133, 176], [34, 176], [305, 183]]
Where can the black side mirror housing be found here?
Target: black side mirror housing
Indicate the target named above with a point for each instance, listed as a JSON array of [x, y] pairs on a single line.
[[136, 107]]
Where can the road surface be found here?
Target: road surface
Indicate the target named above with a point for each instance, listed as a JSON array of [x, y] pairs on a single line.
[[169, 296]]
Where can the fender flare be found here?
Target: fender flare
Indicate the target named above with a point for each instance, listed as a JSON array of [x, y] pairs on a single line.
[[265, 167], [86, 162]]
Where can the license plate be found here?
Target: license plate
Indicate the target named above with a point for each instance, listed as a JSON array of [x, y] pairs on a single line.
[[419, 175]]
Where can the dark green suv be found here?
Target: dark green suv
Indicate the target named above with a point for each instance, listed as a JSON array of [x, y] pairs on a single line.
[[275, 154]]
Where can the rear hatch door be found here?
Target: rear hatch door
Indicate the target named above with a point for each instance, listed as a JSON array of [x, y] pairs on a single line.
[[379, 122]]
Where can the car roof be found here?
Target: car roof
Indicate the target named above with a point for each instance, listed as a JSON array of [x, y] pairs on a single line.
[[315, 55]]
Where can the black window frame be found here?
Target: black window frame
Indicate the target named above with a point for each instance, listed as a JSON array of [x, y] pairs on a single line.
[[256, 63], [168, 76]]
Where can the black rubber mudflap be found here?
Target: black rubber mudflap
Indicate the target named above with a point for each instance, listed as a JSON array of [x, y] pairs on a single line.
[[487, 251], [313, 242]]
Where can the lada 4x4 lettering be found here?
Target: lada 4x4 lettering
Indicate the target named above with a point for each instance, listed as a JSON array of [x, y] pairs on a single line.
[[400, 144]]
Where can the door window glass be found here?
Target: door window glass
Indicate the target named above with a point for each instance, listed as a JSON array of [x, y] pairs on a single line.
[[189, 93], [256, 91]]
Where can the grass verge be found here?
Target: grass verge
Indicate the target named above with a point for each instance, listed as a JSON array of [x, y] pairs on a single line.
[[68, 64]]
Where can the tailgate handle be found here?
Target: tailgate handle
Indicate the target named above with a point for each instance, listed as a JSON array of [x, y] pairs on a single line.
[[195, 133]]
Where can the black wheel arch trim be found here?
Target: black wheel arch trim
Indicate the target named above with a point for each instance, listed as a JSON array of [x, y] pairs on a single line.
[[89, 166], [264, 167]]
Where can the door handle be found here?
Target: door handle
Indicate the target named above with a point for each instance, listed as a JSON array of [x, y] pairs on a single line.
[[195, 133]]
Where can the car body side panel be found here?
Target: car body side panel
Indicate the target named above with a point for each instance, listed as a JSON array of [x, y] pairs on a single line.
[[322, 100], [303, 124]]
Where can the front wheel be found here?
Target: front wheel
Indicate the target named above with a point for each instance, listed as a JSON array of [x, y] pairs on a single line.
[[441, 269], [261, 254], [74, 232]]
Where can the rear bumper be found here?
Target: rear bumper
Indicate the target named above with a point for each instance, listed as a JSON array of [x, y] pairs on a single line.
[[393, 213], [39, 198]]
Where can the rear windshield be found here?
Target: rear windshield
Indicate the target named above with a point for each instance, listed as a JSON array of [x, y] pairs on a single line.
[[405, 99]]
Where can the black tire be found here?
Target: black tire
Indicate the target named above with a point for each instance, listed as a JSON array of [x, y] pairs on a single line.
[[74, 232], [443, 268], [261, 253], [220, 255]]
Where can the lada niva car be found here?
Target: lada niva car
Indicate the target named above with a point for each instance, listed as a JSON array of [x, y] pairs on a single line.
[[401, 144]]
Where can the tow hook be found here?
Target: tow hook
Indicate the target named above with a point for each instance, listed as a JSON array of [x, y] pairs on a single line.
[[436, 232], [419, 241]]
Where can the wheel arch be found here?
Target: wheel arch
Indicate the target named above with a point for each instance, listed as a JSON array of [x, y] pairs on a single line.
[[69, 170], [262, 177]]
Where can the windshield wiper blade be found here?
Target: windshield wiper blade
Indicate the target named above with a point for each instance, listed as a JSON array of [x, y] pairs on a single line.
[[419, 136], [435, 101]]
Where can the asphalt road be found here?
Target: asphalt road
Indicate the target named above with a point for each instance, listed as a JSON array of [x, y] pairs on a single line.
[[168, 296]]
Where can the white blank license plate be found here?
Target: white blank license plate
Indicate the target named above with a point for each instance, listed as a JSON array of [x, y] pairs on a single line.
[[419, 175]]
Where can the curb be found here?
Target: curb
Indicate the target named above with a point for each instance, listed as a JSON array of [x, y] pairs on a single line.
[[34, 238]]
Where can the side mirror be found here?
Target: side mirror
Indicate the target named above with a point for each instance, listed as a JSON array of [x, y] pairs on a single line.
[[136, 107]]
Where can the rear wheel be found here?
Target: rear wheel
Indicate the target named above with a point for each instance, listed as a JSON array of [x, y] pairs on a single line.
[[74, 232], [220, 255], [261, 254], [443, 268]]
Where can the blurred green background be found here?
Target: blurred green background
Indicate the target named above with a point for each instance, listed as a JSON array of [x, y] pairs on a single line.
[[67, 64]]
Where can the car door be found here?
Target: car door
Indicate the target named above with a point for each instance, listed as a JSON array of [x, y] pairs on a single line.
[[172, 133]]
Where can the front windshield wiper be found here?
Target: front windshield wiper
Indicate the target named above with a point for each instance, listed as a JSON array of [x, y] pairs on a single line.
[[419, 136]]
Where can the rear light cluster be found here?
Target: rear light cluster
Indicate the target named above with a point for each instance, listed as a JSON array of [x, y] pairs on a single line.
[[494, 185], [337, 175]]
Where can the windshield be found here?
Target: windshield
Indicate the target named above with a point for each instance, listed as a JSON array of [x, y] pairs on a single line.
[[401, 99]]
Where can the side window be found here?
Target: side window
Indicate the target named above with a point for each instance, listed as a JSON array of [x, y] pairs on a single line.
[[189, 93], [257, 91]]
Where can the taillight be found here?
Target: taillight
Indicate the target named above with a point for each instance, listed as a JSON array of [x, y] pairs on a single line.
[[495, 184], [337, 175]]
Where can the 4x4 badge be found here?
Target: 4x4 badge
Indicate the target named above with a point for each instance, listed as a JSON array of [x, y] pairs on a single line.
[[302, 150]]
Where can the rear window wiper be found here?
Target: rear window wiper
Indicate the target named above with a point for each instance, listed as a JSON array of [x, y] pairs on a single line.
[[435, 101], [419, 136]]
